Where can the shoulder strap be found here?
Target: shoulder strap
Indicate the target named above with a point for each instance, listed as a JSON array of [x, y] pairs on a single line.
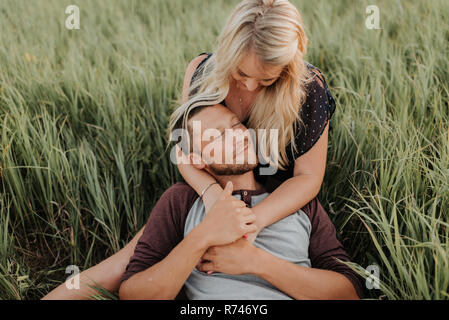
[[195, 73]]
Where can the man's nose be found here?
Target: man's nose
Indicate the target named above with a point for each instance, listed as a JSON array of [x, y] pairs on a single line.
[[240, 140], [251, 84]]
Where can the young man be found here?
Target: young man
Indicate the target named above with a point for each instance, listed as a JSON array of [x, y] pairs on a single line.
[[294, 258]]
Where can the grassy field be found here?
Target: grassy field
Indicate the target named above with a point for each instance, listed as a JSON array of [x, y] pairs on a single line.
[[83, 115]]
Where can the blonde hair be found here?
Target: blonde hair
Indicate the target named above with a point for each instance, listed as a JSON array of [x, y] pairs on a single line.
[[273, 30]]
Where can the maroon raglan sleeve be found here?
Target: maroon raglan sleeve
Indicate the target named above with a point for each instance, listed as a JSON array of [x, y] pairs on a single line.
[[164, 229], [324, 246]]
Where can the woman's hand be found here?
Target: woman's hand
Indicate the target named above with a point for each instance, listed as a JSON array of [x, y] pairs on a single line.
[[239, 257]]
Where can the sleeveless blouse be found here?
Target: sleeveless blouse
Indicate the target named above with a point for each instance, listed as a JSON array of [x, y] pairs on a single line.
[[315, 113]]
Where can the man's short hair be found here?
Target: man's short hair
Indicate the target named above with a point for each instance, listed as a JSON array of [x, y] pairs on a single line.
[[186, 141]]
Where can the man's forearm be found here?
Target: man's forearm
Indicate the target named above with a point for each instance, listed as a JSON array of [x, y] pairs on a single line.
[[165, 279], [302, 283]]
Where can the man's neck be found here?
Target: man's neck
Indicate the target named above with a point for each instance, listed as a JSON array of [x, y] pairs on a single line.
[[244, 181]]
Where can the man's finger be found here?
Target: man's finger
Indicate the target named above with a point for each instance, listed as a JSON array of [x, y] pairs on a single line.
[[204, 267], [207, 257], [249, 218], [248, 228], [238, 203], [228, 189], [246, 212]]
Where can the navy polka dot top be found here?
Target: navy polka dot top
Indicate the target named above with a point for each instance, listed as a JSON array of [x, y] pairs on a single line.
[[315, 113]]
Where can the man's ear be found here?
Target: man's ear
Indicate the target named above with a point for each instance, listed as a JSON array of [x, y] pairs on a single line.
[[196, 160]]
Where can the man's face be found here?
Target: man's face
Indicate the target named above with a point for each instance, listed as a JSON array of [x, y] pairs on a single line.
[[224, 142]]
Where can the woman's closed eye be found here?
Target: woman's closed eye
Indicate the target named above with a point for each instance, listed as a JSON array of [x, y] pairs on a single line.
[[242, 74], [265, 83]]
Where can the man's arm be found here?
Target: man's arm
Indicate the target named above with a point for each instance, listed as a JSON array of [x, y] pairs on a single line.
[[327, 279], [165, 279], [163, 231], [163, 258], [300, 282], [242, 257]]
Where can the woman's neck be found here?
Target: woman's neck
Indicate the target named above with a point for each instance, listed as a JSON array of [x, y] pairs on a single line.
[[241, 108]]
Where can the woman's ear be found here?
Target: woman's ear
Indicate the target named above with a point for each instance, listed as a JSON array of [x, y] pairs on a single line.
[[196, 160]]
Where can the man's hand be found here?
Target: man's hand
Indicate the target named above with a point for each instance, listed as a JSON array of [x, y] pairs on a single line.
[[252, 235], [228, 220], [239, 257]]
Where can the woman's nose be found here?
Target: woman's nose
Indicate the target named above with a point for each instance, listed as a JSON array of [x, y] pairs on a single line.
[[251, 84]]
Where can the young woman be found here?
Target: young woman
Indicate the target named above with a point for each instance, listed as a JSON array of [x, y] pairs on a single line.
[[258, 72]]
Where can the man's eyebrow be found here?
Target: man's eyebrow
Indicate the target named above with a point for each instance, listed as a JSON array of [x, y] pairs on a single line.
[[222, 129], [245, 75]]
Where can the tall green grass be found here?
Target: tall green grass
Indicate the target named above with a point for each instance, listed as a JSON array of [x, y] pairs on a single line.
[[83, 115]]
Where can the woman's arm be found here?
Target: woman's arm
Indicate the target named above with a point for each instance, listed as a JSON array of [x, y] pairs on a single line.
[[289, 197], [308, 172], [296, 192], [197, 179]]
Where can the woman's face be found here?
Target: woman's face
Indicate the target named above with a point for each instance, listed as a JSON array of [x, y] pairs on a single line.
[[251, 75]]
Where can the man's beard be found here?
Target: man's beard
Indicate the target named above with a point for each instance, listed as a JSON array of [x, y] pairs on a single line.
[[232, 169]]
